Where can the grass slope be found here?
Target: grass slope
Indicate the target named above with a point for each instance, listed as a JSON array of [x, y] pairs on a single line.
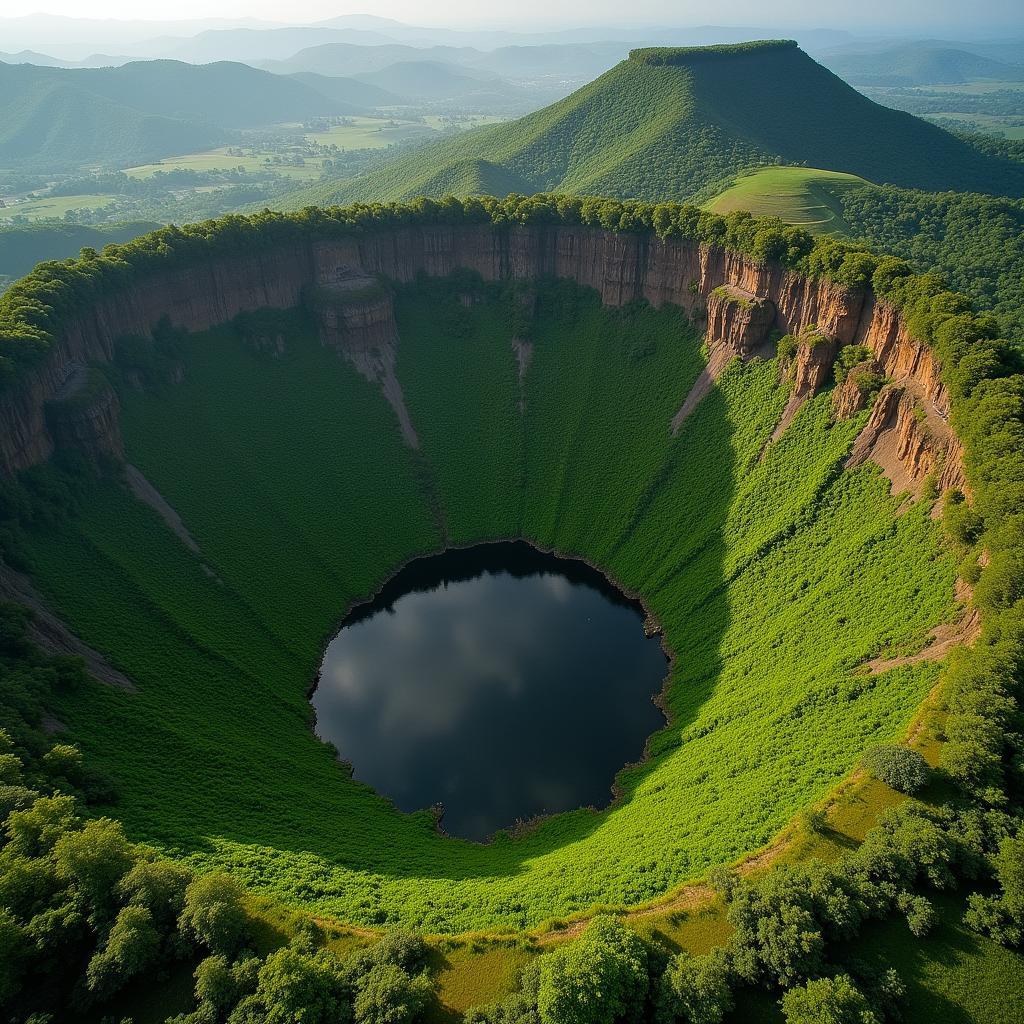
[[807, 196], [654, 130], [292, 478]]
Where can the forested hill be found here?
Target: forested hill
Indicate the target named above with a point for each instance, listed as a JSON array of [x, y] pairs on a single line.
[[667, 123], [56, 117]]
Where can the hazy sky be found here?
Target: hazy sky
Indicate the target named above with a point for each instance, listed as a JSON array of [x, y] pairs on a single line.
[[925, 14]]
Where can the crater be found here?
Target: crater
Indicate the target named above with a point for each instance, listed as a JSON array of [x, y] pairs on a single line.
[[498, 683]]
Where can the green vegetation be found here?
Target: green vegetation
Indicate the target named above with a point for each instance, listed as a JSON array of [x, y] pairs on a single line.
[[712, 527], [805, 196], [900, 768], [589, 468], [671, 124], [56, 118], [975, 242], [21, 248]]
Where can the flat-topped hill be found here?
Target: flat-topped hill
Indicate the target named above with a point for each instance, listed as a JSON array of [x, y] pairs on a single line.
[[668, 123]]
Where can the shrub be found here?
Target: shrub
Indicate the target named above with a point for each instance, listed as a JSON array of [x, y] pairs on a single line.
[[695, 990], [849, 357], [901, 768], [598, 979], [828, 1001], [213, 913], [388, 995]]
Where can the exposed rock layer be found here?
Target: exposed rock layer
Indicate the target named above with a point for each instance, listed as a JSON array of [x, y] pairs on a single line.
[[622, 267]]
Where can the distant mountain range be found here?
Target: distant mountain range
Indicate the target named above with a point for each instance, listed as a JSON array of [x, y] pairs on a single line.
[[147, 110], [250, 40], [670, 123], [920, 64]]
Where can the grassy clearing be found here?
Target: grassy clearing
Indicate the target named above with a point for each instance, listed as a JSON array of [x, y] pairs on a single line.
[[221, 160], [774, 579], [52, 206], [371, 133], [806, 196]]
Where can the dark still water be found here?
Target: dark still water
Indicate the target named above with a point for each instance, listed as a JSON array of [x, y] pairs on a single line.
[[498, 681]]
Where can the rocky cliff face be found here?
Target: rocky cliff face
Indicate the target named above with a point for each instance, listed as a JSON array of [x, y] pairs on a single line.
[[357, 317], [86, 416], [910, 442], [621, 267], [739, 320]]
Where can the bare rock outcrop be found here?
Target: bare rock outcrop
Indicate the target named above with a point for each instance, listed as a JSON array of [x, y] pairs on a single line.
[[739, 325], [911, 443], [85, 415], [739, 320], [851, 395], [357, 317], [809, 368]]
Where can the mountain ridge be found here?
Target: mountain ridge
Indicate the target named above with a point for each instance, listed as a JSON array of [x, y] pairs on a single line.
[[670, 123]]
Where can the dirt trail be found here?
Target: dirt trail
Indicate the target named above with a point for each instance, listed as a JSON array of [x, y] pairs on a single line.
[[718, 359], [149, 495], [942, 639]]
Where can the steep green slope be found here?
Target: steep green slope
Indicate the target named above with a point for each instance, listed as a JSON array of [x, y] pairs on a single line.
[[666, 124], [292, 478], [225, 94], [142, 111]]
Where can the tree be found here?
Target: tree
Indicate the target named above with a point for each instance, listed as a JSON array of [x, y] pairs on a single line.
[[95, 859], [1002, 916], [159, 886], [828, 1001], [599, 979], [36, 829], [901, 768], [15, 948], [302, 988], [131, 947], [213, 913], [388, 995], [695, 990]]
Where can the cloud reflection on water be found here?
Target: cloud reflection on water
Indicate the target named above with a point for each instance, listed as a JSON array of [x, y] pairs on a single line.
[[500, 695]]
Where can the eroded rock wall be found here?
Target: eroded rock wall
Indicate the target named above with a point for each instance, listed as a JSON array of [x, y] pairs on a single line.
[[621, 267]]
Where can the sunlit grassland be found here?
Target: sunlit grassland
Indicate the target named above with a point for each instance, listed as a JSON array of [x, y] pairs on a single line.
[[773, 572], [806, 196], [52, 206], [221, 160]]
